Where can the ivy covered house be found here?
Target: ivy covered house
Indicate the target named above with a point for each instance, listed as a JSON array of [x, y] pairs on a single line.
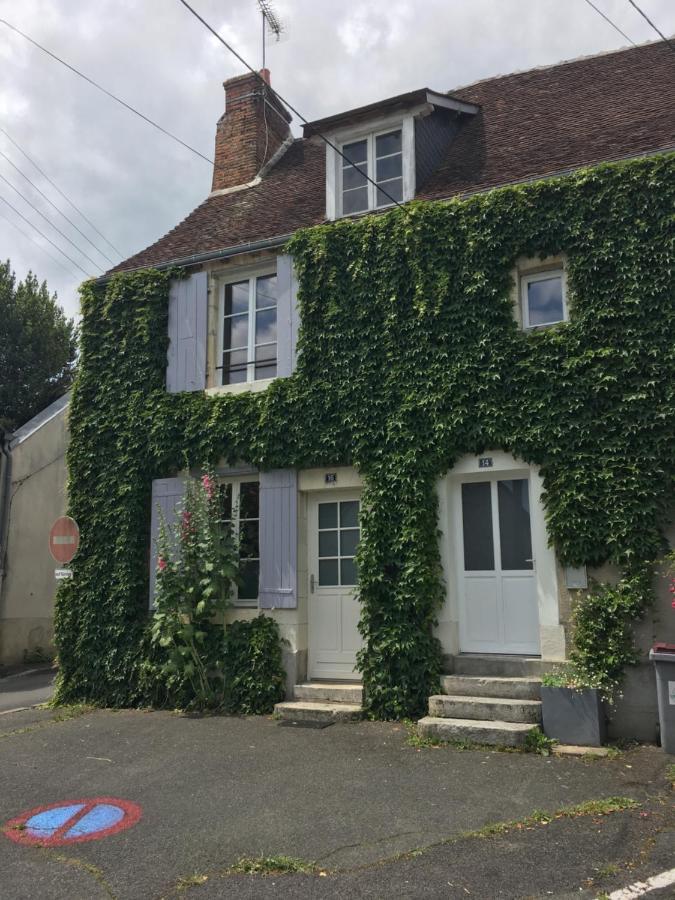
[[433, 422]]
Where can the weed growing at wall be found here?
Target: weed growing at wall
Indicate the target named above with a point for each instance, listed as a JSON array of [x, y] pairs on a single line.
[[410, 357]]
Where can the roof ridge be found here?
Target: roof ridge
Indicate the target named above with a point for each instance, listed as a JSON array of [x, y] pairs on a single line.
[[555, 65]]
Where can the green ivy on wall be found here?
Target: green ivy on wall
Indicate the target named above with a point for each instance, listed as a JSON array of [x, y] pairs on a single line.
[[410, 357]]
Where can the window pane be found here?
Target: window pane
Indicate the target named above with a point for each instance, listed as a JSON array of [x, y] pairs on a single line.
[[515, 539], [356, 152], [235, 332], [266, 291], [266, 354], [248, 499], [348, 571], [395, 191], [265, 372], [388, 143], [236, 298], [349, 514], [349, 541], [477, 525], [266, 326], [353, 178], [225, 499], [545, 301], [389, 167], [234, 367], [328, 572], [328, 543], [355, 201], [328, 515], [249, 572], [249, 546]]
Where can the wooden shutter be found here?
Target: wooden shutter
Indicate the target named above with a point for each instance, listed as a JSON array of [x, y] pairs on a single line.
[[186, 358], [278, 539], [287, 316], [167, 495]]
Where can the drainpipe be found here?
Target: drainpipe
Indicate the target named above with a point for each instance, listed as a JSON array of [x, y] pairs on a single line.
[[5, 487]]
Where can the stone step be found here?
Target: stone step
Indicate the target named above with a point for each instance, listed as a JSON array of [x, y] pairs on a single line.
[[503, 734], [501, 709], [485, 686], [316, 711], [333, 692], [500, 666]]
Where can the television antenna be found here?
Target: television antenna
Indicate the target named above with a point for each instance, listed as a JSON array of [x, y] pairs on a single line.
[[271, 23]]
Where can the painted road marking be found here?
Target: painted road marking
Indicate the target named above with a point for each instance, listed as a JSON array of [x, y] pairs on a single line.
[[640, 888], [72, 822]]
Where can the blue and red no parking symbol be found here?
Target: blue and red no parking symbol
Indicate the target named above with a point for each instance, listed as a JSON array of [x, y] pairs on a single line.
[[72, 822]]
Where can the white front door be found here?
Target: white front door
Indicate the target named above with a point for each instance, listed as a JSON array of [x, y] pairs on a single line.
[[498, 592], [333, 610]]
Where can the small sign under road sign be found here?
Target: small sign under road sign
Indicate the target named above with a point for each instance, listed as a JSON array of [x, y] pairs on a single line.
[[61, 574], [64, 539]]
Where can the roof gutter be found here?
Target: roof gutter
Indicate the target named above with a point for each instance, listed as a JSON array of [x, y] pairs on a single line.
[[209, 256]]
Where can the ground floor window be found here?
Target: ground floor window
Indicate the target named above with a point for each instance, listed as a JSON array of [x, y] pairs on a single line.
[[240, 504]]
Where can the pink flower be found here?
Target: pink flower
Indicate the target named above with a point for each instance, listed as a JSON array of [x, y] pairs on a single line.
[[208, 485], [161, 564]]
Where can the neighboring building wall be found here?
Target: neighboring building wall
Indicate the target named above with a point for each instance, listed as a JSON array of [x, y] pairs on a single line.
[[37, 497]]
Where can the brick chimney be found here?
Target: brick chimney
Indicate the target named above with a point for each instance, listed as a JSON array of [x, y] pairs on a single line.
[[249, 132]]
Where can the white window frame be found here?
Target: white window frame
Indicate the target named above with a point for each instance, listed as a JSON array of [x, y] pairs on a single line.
[[249, 275], [236, 481], [528, 278], [369, 132]]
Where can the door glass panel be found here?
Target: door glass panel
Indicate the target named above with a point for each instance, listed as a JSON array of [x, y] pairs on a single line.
[[328, 543], [477, 524], [349, 541], [328, 515], [347, 572], [515, 539], [328, 572], [349, 514]]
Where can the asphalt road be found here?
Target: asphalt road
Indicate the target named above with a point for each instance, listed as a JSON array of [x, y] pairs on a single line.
[[25, 689], [350, 799]]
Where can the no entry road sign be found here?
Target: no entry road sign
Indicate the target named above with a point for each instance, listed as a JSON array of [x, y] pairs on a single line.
[[64, 539], [72, 822]]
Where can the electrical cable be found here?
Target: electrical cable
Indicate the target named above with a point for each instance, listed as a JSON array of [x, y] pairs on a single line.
[[58, 189], [657, 30], [613, 24], [38, 245], [55, 227], [286, 103], [60, 212], [28, 221], [106, 92]]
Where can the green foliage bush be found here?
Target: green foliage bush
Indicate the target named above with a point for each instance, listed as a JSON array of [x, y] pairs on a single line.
[[253, 672], [409, 358]]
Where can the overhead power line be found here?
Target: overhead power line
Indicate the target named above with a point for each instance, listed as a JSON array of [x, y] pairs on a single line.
[[285, 102], [58, 190], [107, 92], [55, 227], [657, 30], [60, 212], [28, 222], [613, 24], [37, 244]]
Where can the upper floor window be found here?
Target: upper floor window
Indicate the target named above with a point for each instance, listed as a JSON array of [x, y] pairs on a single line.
[[248, 329], [380, 158], [543, 298]]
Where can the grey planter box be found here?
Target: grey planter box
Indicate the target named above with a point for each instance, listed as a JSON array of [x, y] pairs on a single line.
[[573, 717]]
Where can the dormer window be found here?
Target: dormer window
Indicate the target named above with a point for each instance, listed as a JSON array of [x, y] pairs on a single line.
[[379, 157]]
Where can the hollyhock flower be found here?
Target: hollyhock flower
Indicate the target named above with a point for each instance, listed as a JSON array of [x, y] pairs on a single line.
[[208, 485], [161, 564]]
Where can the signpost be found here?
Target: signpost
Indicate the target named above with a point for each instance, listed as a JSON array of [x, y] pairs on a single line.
[[64, 540]]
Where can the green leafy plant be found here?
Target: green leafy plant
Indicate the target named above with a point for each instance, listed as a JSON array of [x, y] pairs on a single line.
[[197, 565], [537, 742], [253, 671]]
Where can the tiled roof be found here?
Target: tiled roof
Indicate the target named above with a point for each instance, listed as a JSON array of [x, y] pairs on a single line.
[[531, 124]]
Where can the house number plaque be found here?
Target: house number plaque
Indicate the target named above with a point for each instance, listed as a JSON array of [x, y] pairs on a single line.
[[484, 462], [331, 477]]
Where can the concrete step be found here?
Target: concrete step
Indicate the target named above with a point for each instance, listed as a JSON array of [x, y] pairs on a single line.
[[485, 686], [316, 711], [503, 734], [500, 709], [499, 666], [333, 692]]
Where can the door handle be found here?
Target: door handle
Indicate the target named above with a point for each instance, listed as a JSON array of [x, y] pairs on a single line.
[[311, 583], [533, 561]]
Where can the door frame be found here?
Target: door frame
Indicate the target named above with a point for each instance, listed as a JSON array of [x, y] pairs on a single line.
[[313, 500], [504, 465]]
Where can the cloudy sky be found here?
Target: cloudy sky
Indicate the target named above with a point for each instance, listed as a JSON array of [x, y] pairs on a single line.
[[134, 184]]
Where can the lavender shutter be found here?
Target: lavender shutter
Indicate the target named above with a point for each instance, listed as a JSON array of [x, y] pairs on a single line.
[[167, 495], [186, 357], [287, 315], [278, 539]]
